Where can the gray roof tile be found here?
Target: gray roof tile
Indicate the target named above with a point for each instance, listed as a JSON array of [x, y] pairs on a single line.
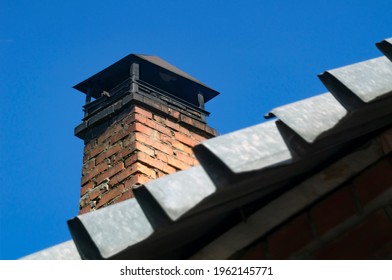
[[368, 80], [312, 117]]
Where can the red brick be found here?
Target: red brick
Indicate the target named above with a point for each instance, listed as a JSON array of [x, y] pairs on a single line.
[[94, 193], [290, 238], [103, 166], [124, 196], [144, 149], [174, 113], [184, 130], [255, 252], [141, 128], [85, 209], [186, 158], [192, 122], [154, 163], [374, 180], [86, 188], [186, 119], [90, 145], [105, 135], [140, 138], [186, 139], [143, 112], [177, 163], [161, 156], [163, 129], [130, 147], [163, 148], [181, 147], [197, 137], [152, 124], [159, 119], [211, 131], [362, 242], [136, 179], [144, 139], [334, 209], [110, 195], [172, 125], [97, 150], [138, 167], [165, 139], [119, 136], [119, 178], [107, 154], [110, 172], [88, 166]]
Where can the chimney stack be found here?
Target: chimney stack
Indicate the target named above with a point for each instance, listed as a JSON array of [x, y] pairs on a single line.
[[142, 118]]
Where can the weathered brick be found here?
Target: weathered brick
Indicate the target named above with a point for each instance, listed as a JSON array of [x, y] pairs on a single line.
[[374, 180], [85, 209], [161, 156], [182, 147], [290, 237], [130, 147], [120, 177], [174, 113], [119, 136], [97, 150], [362, 242], [334, 209], [90, 145], [110, 172], [186, 158], [88, 166], [211, 131], [138, 167], [141, 128], [197, 137], [144, 149], [185, 139], [143, 112], [86, 188], [152, 124], [101, 167], [107, 154], [108, 132], [154, 163], [110, 195], [192, 122], [163, 148], [146, 140], [159, 119], [94, 193], [136, 179], [165, 139], [177, 163], [172, 125], [124, 196]]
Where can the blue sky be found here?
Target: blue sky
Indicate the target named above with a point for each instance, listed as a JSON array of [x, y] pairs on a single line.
[[258, 54]]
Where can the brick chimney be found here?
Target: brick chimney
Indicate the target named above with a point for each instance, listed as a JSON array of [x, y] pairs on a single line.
[[142, 118]]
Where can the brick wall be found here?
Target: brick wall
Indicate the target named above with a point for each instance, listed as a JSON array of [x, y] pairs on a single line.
[[144, 143], [353, 222]]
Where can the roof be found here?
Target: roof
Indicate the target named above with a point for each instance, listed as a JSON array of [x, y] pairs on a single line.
[[152, 70], [242, 171]]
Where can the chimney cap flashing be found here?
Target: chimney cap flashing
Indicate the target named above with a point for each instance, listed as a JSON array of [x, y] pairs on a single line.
[[153, 69]]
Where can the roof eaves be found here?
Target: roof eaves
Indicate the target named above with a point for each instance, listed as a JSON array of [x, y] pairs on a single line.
[[63, 251], [386, 47]]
